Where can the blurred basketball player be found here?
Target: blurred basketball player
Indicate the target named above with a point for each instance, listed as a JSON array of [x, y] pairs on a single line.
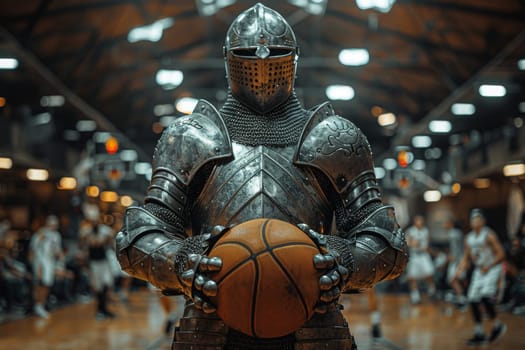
[[45, 251], [420, 265], [484, 250]]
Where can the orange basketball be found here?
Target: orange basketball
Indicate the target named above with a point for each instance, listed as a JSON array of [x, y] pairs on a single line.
[[268, 284]]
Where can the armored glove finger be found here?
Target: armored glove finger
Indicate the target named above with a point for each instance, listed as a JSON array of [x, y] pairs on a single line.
[[334, 275], [198, 286]]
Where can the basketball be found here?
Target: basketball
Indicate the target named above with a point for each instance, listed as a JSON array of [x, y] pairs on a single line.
[[268, 284]]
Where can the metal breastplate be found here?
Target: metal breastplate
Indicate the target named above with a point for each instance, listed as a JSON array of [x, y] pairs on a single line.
[[260, 182]]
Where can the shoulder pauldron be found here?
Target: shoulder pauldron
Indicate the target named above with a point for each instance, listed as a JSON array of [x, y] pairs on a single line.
[[335, 146], [192, 141]]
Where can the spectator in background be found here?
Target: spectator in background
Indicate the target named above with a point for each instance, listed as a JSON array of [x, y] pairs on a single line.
[[485, 252], [97, 238], [420, 267], [45, 250], [15, 279]]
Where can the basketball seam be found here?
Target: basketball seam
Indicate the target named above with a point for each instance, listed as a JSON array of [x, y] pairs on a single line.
[[256, 286], [239, 265], [253, 257], [279, 263]]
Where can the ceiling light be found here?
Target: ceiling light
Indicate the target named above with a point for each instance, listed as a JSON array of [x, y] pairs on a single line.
[[432, 196], [101, 136], [6, 163], [379, 5], [440, 126], [463, 109], [313, 7], [379, 172], [419, 164], [128, 155], [41, 119], [340, 92], [421, 141], [456, 188], [67, 183], [126, 201], [211, 7], [8, 63], [142, 168], [2, 101], [521, 64], [109, 196], [148, 174], [169, 78], [481, 183], [152, 32], [86, 125], [386, 119], [354, 57], [164, 109], [389, 163], [186, 105], [92, 191], [37, 174], [52, 101], [487, 90], [516, 169]]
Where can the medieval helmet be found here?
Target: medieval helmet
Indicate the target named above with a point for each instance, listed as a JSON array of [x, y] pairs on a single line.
[[261, 58]]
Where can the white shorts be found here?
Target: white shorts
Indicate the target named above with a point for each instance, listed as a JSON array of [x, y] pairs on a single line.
[[44, 272], [101, 275], [484, 285], [419, 266]]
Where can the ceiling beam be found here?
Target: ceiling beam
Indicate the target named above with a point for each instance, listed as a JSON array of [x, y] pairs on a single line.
[[78, 103], [443, 108]]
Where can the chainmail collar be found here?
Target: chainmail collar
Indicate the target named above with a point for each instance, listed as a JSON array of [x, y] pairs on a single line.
[[281, 126]]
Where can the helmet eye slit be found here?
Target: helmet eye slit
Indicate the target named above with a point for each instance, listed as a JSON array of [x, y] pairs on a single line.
[[251, 52]]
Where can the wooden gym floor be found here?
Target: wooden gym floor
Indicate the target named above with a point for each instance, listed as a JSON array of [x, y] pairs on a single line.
[[140, 325]]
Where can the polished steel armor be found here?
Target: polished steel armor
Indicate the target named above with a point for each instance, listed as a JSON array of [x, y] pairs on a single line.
[[261, 57], [313, 167], [262, 182]]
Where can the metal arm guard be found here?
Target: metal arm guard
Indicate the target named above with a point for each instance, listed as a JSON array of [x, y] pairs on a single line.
[[146, 248], [152, 244], [369, 242], [380, 252], [375, 241]]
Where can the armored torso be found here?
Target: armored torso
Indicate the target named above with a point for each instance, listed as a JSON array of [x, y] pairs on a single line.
[[261, 181]]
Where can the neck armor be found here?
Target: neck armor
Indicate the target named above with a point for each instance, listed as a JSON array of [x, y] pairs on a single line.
[[261, 58], [280, 127]]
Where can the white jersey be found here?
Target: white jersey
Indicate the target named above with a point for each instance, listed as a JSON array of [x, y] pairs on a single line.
[[420, 238], [45, 245], [481, 252]]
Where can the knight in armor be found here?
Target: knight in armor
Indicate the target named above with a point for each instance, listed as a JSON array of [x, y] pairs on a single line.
[[262, 155]]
